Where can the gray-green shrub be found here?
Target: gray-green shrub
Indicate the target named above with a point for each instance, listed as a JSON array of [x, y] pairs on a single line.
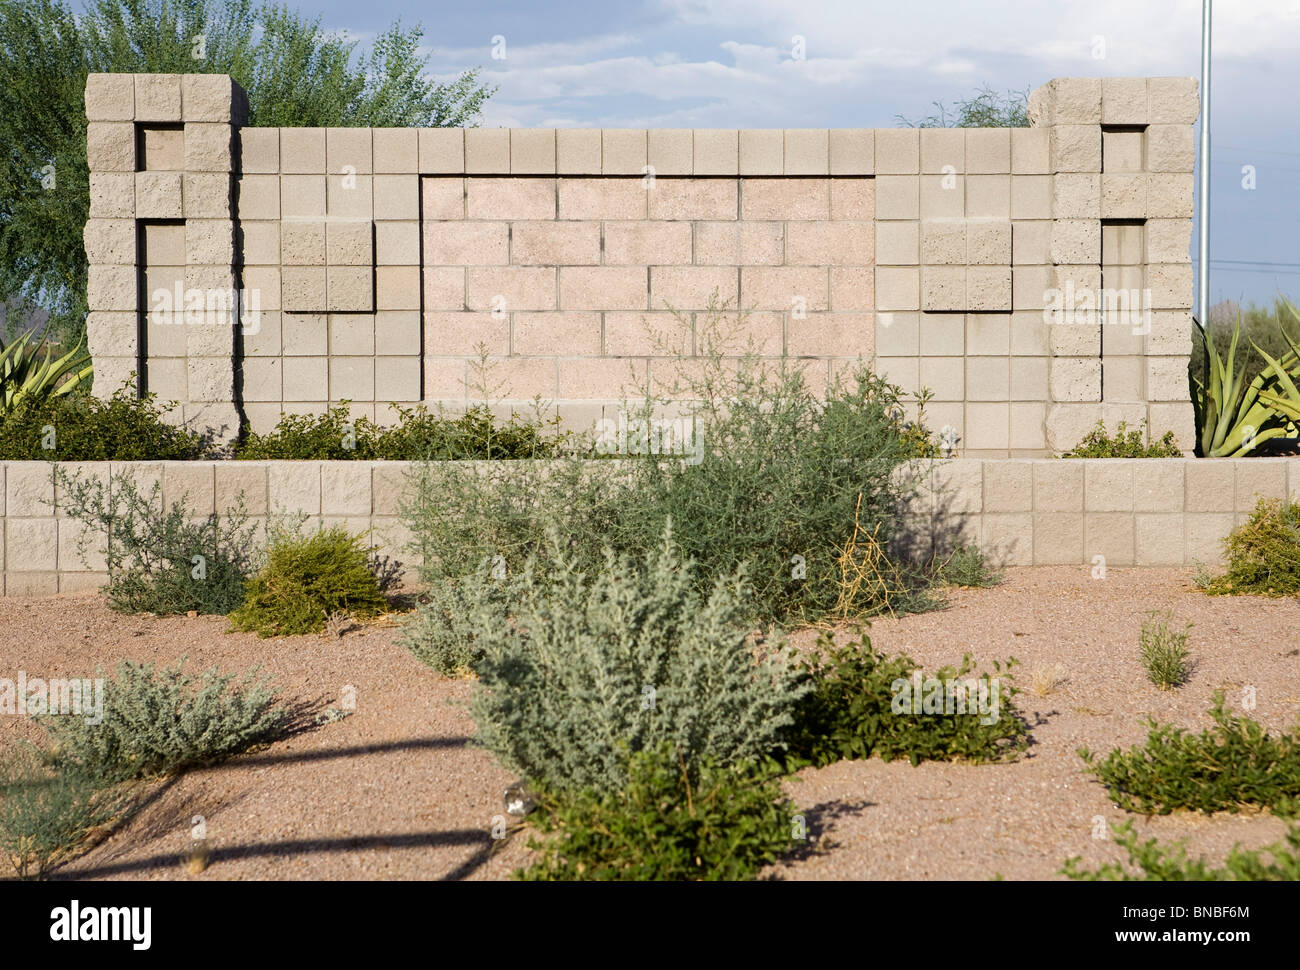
[[443, 631], [592, 668]]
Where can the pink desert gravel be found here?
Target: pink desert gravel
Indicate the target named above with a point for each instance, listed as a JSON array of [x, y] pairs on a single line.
[[395, 791]]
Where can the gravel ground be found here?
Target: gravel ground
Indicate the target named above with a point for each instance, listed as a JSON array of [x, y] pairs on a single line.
[[395, 792]]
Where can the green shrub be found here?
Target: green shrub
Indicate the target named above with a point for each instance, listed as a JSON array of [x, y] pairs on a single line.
[[45, 815], [160, 722], [27, 376], [1150, 861], [443, 631], [417, 435], [160, 560], [78, 427], [967, 566], [861, 703], [1263, 553], [726, 823], [1164, 651], [307, 579], [590, 669], [1098, 443], [1224, 768]]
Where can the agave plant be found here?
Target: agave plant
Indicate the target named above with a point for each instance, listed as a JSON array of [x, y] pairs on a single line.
[[1235, 417], [26, 374]]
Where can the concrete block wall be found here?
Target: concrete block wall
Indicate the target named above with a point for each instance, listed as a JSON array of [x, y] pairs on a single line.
[[1132, 512], [980, 264]]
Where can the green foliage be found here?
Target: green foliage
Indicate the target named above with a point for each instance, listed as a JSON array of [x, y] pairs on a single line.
[[1127, 443], [165, 721], [307, 579], [45, 815], [590, 668], [987, 109], [777, 475], [967, 566], [858, 707], [78, 427], [1151, 862], [1235, 416], [27, 376], [1164, 651], [1224, 768], [159, 560], [443, 632], [1263, 553], [295, 71], [666, 823], [417, 435]]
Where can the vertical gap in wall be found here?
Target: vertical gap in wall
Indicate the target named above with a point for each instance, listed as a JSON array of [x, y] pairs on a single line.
[[239, 310], [141, 309], [419, 215]]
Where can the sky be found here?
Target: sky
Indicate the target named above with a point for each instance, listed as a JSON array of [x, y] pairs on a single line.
[[732, 63]]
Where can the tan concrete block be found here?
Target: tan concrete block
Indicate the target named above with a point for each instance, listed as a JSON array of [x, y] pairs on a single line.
[[210, 379], [304, 335], [444, 288], [943, 335], [397, 243], [1029, 379], [1170, 286], [1211, 485], [1008, 486], [211, 97], [1261, 478], [1172, 100], [397, 332], [398, 378], [303, 243], [988, 151], [897, 243], [602, 288], [1058, 486], [1075, 379], [897, 334], [242, 481], [397, 197], [110, 97], [352, 334], [671, 151], [209, 242], [352, 378], [487, 151], [1076, 196], [511, 288], [158, 195], [1076, 101], [511, 198], [898, 288], [853, 199], [943, 242], [348, 151], [762, 151], [943, 197], [442, 151], [1075, 339], [1111, 536], [786, 199], [945, 376], [110, 241], [641, 334], [158, 97], [557, 334], [1158, 485], [716, 151], [1123, 196], [303, 288], [208, 147], [1030, 154], [467, 243], [838, 334], [683, 287], [829, 244], [258, 150], [1124, 101], [111, 333], [1169, 196], [1159, 539], [112, 195], [302, 151], [623, 151], [736, 243], [111, 288], [350, 196], [38, 540], [1031, 197], [1168, 240], [264, 339], [943, 151], [1031, 243], [853, 151], [110, 146], [988, 242], [29, 489], [1122, 152], [532, 151], [351, 243], [395, 150], [467, 334], [1109, 484], [1075, 148], [263, 284], [700, 198], [444, 198], [652, 243], [988, 288], [262, 379], [807, 151], [943, 288], [578, 151], [1171, 333], [207, 196], [302, 196], [988, 196], [988, 427], [898, 151], [397, 288], [988, 379], [1166, 379], [789, 288], [258, 197], [1076, 241], [1203, 537], [554, 243], [897, 197], [597, 198], [853, 288]]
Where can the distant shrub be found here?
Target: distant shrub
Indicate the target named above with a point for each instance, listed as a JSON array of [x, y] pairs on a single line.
[[1263, 553], [726, 823], [589, 670], [862, 704], [78, 427], [443, 631], [1164, 651], [306, 579], [968, 567], [162, 721], [1150, 861], [1224, 768], [160, 560], [1126, 443], [417, 435]]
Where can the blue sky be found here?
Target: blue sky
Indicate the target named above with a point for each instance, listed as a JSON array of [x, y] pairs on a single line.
[[728, 63]]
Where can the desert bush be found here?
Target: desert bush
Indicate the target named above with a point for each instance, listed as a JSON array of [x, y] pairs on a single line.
[[1151, 861], [26, 375], [160, 560], [1234, 764], [1164, 650], [417, 435], [306, 579], [1263, 553], [1127, 443], [443, 630], [162, 721], [46, 815], [666, 823], [591, 669], [967, 566], [860, 704], [78, 427]]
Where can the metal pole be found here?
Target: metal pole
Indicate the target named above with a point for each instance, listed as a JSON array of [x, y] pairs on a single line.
[[1203, 280]]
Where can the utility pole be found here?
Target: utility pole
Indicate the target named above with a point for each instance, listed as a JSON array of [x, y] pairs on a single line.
[[1203, 274]]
